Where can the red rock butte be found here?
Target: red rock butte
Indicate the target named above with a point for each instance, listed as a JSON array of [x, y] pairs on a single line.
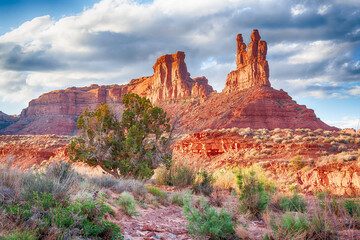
[[252, 67], [248, 100]]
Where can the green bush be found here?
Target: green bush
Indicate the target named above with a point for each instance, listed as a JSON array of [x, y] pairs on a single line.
[[134, 146], [82, 218], [204, 183], [127, 202], [205, 222], [294, 204], [253, 196]]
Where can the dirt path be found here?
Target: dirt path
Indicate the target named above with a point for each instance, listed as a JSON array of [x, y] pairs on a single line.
[[155, 223]]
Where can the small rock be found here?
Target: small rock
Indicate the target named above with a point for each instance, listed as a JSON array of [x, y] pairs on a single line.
[[171, 236]]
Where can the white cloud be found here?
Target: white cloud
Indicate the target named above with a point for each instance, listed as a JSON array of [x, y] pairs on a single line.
[[355, 91], [317, 51], [346, 122], [298, 10]]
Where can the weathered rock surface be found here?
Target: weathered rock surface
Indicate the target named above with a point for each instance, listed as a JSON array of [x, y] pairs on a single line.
[[252, 67], [56, 112], [6, 120], [248, 100]]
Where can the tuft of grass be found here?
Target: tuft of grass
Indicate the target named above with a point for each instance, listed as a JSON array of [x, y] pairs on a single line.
[[225, 179], [206, 222], [178, 197], [181, 175], [20, 235], [296, 203], [156, 192], [128, 204]]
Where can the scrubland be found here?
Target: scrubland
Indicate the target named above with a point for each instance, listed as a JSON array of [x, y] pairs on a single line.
[[264, 194]]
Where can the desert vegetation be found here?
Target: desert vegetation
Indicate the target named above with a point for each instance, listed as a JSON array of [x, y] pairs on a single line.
[[57, 202]]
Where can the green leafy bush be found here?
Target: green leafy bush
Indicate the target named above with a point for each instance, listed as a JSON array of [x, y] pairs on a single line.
[[134, 146], [352, 207], [295, 203], [127, 202], [178, 197], [253, 196], [289, 227], [206, 222], [48, 213]]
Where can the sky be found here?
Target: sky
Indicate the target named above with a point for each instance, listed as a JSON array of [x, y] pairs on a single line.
[[313, 46]]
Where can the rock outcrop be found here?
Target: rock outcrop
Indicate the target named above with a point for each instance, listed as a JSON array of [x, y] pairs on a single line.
[[252, 66], [6, 120], [56, 112]]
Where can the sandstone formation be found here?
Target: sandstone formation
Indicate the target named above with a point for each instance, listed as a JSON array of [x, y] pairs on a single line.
[[6, 120], [252, 67], [56, 112], [247, 100]]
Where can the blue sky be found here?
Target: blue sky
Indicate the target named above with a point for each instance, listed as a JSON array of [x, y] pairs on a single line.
[[313, 46]]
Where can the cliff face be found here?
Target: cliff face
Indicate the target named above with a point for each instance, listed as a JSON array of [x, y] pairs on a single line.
[[56, 112], [6, 120], [252, 67]]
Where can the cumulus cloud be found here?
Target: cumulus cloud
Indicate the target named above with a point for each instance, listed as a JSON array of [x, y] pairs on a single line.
[[346, 122], [311, 45]]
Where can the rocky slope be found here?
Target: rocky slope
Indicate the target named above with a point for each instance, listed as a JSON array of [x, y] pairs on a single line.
[[6, 120], [247, 100]]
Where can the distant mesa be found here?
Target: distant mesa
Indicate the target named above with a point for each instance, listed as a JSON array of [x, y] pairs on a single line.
[[248, 100]]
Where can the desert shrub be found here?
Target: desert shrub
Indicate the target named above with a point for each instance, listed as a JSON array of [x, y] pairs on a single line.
[[62, 220], [206, 222], [130, 185], [320, 228], [156, 192], [20, 235], [225, 179], [178, 197], [253, 195], [128, 204], [104, 181], [203, 183], [297, 163], [134, 146], [181, 175], [295, 203], [352, 207], [289, 227], [57, 179]]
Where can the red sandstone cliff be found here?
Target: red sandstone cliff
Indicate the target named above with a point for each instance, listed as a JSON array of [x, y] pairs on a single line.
[[247, 100], [56, 112]]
